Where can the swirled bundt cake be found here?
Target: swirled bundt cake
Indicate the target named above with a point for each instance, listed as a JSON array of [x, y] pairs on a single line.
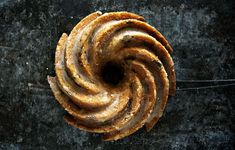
[[114, 73]]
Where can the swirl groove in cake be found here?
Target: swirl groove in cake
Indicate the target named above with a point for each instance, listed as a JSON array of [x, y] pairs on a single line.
[[114, 73]]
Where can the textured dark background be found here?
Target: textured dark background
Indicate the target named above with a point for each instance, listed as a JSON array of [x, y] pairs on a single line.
[[201, 32]]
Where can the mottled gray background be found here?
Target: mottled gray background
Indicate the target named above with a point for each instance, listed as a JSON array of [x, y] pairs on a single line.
[[201, 32]]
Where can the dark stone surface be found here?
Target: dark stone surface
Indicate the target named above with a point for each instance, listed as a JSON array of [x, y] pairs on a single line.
[[201, 32]]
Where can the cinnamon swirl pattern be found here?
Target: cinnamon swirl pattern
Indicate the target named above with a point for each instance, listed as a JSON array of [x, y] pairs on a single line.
[[114, 73]]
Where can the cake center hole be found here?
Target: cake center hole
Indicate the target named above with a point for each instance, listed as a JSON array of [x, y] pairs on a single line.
[[112, 73]]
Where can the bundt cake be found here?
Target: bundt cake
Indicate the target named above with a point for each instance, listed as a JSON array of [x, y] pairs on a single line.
[[114, 73]]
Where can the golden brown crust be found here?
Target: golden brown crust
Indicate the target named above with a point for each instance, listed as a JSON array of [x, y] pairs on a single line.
[[74, 68], [121, 120], [147, 104], [138, 99]]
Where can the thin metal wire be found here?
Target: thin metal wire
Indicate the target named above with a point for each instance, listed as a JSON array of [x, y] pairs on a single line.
[[205, 87], [206, 81], [219, 82]]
